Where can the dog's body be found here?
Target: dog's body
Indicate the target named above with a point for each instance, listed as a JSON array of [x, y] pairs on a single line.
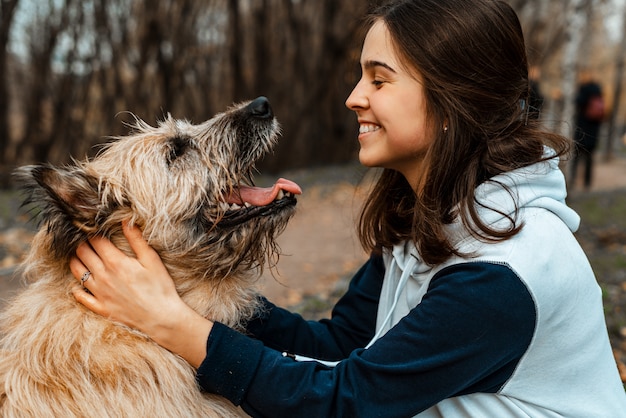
[[186, 187]]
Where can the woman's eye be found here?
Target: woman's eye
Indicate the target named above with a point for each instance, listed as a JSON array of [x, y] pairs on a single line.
[[377, 83]]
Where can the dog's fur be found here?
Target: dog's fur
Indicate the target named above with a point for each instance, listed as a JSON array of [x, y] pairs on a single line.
[[58, 359]]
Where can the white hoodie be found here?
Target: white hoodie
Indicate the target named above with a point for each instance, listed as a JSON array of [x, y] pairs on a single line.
[[568, 369]]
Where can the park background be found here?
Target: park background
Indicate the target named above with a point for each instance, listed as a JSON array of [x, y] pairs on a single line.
[[72, 72]]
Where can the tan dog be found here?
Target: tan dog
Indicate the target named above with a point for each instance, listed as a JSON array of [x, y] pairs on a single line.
[[188, 188]]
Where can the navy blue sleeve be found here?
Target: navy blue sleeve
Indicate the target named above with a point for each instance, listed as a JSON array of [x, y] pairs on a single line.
[[352, 323], [467, 335]]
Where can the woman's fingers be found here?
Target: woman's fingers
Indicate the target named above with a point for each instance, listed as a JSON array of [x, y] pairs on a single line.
[[146, 255], [86, 299], [77, 267], [129, 289], [107, 277], [99, 257], [85, 257], [135, 239], [81, 293]]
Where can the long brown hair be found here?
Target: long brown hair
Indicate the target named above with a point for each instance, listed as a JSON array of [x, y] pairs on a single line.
[[472, 60]]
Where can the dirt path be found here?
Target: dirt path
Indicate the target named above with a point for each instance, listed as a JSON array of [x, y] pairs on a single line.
[[319, 245], [609, 175]]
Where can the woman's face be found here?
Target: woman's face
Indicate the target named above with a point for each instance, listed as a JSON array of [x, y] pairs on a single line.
[[391, 108]]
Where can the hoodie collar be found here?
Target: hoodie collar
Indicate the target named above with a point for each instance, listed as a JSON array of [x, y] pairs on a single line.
[[541, 185]]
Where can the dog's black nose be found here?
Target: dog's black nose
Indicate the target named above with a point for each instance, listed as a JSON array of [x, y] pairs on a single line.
[[260, 108]]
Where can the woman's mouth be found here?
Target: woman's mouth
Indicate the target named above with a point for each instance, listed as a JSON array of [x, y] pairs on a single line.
[[366, 128]]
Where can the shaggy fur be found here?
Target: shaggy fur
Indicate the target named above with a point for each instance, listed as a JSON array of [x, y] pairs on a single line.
[[58, 359]]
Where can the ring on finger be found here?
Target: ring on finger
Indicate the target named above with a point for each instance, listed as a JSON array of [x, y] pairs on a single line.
[[85, 277]]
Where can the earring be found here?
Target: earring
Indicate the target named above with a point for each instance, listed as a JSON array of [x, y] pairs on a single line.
[[445, 129]]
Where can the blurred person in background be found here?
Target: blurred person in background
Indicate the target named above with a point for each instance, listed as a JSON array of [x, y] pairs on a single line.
[[589, 114]]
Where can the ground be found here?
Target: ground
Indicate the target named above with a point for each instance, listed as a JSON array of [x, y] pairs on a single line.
[[321, 251]]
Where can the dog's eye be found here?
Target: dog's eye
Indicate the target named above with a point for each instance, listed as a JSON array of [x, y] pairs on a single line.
[[177, 147]]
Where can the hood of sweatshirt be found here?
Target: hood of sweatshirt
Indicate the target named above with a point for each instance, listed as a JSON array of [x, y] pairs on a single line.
[[499, 200], [541, 185]]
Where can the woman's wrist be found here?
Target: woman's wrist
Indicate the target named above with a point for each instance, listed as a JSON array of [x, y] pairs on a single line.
[[184, 332]]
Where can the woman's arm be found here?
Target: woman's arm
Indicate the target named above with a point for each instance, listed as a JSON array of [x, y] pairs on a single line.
[[352, 323], [139, 293], [466, 336]]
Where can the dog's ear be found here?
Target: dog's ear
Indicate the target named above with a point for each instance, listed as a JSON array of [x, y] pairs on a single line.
[[65, 199]]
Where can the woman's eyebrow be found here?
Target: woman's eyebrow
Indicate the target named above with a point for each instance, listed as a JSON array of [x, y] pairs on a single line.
[[368, 65]]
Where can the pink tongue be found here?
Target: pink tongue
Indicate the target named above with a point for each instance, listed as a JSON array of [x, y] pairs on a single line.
[[261, 196]]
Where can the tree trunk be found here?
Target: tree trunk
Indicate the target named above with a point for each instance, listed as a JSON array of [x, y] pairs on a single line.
[[613, 131], [7, 10], [575, 21]]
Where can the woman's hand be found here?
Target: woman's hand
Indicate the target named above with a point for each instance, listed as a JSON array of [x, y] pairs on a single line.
[[139, 293]]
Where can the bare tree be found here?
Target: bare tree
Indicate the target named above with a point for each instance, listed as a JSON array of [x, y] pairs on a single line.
[[7, 12], [575, 21], [613, 131], [68, 90], [51, 19], [237, 70], [559, 47], [307, 68], [92, 62]]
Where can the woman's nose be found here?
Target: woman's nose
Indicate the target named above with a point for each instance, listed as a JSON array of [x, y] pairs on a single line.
[[356, 99]]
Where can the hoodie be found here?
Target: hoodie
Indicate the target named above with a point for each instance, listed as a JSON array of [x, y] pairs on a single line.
[[511, 329], [540, 186]]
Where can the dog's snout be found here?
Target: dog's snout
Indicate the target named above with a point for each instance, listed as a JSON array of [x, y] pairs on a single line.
[[260, 108]]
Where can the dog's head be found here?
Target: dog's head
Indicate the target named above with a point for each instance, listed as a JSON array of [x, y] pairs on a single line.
[[189, 187]]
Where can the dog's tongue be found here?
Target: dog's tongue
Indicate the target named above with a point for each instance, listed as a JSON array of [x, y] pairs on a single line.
[[261, 196]]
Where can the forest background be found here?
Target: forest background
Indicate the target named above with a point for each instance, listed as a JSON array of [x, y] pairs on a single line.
[[73, 71]]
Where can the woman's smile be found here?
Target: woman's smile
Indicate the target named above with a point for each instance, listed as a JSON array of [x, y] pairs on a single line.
[[368, 127]]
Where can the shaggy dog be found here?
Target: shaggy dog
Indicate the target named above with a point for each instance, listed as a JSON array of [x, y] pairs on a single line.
[[189, 188]]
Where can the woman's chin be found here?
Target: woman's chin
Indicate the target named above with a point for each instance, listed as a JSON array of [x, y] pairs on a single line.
[[367, 160]]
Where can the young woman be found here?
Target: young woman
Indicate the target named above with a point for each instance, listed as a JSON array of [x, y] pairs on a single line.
[[477, 300]]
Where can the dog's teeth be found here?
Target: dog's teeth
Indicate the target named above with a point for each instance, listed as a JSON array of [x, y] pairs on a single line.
[[224, 206], [280, 195], [235, 206], [247, 204]]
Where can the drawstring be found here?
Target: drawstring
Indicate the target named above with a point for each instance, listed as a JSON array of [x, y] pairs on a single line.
[[407, 271], [298, 357]]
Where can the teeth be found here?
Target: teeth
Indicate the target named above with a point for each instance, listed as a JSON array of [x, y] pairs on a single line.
[[368, 128], [225, 207]]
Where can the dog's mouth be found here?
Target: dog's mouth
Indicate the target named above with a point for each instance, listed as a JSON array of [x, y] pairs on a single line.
[[247, 202]]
